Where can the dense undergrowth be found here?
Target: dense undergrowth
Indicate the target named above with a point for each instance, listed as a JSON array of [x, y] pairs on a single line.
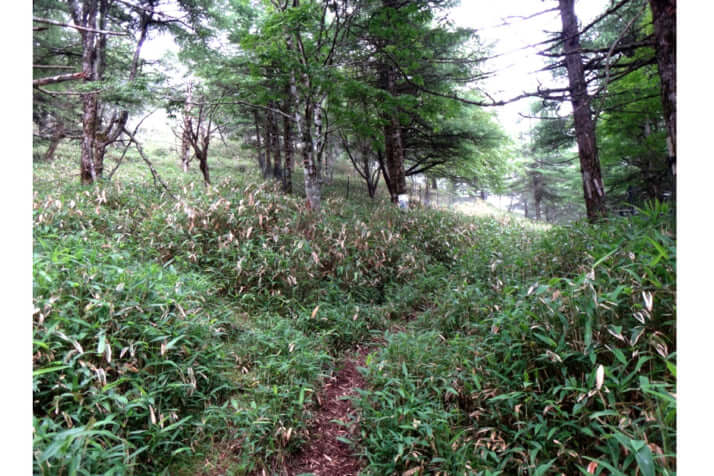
[[164, 329], [556, 356]]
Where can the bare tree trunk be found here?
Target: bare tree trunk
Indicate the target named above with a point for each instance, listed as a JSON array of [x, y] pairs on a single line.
[[306, 146], [393, 149], [201, 138], [289, 156], [109, 134], [664, 17], [395, 159], [57, 137], [427, 192], [318, 140], [258, 147], [537, 194], [187, 126], [88, 16], [305, 118], [312, 180], [277, 159], [268, 144], [593, 188], [203, 165], [89, 126]]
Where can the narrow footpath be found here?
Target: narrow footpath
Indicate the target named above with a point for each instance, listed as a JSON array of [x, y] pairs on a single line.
[[323, 453]]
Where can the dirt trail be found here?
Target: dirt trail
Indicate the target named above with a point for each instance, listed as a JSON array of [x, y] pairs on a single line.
[[323, 454]]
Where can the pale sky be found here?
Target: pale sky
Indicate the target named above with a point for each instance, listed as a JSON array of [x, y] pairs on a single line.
[[516, 69]]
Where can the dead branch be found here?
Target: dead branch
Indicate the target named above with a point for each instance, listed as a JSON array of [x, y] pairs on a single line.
[[51, 66], [154, 173], [128, 143], [77, 27], [67, 93], [58, 79]]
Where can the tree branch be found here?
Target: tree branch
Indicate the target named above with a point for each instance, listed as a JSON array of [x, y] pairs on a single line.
[[154, 173], [77, 27], [58, 79]]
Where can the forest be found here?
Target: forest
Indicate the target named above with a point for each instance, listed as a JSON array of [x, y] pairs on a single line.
[[354, 237]]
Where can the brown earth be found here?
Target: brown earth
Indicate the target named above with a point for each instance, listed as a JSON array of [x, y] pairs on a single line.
[[323, 454]]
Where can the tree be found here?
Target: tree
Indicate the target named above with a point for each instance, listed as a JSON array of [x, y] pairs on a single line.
[[111, 36], [593, 188], [405, 65], [186, 131], [98, 133], [633, 140], [199, 128], [549, 177], [664, 16]]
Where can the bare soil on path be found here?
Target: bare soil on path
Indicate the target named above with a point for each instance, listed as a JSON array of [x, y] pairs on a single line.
[[323, 454]]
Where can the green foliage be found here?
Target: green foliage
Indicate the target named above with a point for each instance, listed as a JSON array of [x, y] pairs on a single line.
[[126, 358], [504, 365], [220, 313]]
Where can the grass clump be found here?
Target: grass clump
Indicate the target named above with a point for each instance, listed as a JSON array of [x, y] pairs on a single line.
[[126, 358], [528, 371], [176, 335]]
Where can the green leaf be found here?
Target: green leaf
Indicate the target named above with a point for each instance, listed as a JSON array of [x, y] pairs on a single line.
[[47, 370], [541, 470], [672, 369], [619, 355], [601, 260], [644, 460]]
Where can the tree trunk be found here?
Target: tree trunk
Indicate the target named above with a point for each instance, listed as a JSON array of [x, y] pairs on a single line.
[[57, 137], [258, 146], [318, 140], [395, 159], [593, 188], [312, 180], [107, 135], [306, 147], [371, 176], [664, 18], [304, 118], [277, 159], [393, 149], [427, 192], [289, 158], [203, 165], [95, 139], [537, 194], [187, 126], [268, 144], [88, 174]]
